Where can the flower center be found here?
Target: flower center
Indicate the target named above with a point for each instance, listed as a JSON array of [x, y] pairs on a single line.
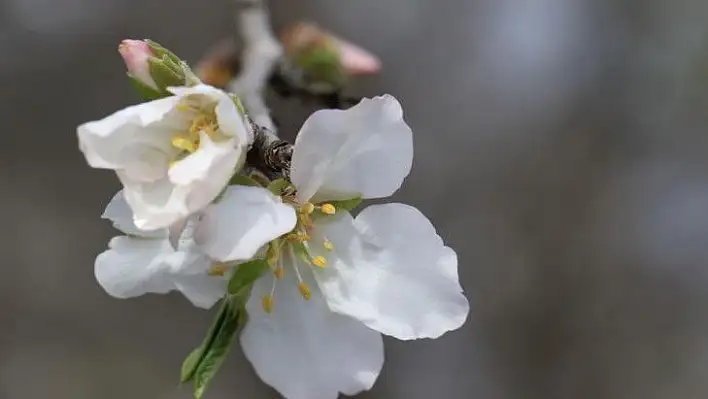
[[201, 120], [298, 245]]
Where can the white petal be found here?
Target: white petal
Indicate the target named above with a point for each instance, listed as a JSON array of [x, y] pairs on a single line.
[[155, 205], [131, 139], [133, 267], [202, 290], [366, 151], [245, 219], [304, 350], [120, 214], [392, 271]]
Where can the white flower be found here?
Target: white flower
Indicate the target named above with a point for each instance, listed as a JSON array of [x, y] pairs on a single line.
[[337, 282], [173, 155], [145, 262]]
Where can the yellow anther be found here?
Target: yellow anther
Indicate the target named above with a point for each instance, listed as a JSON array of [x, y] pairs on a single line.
[[183, 107], [184, 144], [328, 209], [279, 272], [304, 290], [319, 261], [217, 270], [328, 245], [267, 303], [308, 208]]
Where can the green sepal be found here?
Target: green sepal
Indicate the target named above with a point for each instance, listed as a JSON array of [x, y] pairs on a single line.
[[278, 186], [301, 251], [163, 76], [238, 104], [245, 275], [243, 180], [145, 91], [322, 65], [161, 51]]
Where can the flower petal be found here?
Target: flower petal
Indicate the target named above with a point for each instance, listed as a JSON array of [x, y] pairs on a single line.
[[245, 219], [120, 214], [304, 350], [130, 139], [365, 151], [392, 271], [156, 204], [134, 266]]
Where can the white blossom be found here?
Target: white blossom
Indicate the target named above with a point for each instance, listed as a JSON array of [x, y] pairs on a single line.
[[337, 282], [173, 155], [144, 262]]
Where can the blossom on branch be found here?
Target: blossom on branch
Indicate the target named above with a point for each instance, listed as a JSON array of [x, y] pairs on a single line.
[[173, 155], [336, 283]]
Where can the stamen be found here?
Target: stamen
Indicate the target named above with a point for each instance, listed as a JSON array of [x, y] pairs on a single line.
[[304, 290], [267, 300], [328, 245], [319, 261], [328, 209], [279, 272], [308, 208], [267, 303], [301, 285], [183, 143]]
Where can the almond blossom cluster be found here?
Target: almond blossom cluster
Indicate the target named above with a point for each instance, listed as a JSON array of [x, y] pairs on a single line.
[[319, 283]]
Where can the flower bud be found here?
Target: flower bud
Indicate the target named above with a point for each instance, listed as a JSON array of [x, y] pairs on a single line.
[[152, 68], [136, 54]]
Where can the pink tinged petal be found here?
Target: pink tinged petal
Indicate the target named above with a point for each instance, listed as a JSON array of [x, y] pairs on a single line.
[[130, 139], [120, 214], [392, 271], [304, 350], [355, 59], [365, 151], [136, 54], [245, 219]]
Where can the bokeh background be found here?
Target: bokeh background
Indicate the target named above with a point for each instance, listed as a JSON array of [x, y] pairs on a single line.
[[561, 148]]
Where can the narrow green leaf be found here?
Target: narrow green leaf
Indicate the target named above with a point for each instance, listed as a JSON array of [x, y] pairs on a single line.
[[189, 366], [277, 186], [347, 205], [191, 363], [215, 356], [245, 275], [242, 180]]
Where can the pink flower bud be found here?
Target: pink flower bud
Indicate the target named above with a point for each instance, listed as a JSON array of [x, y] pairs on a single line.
[[136, 54]]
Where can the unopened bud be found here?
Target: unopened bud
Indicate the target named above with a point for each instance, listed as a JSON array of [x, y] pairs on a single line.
[[325, 55], [136, 54], [152, 68]]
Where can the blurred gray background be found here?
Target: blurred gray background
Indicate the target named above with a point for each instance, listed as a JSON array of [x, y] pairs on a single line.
[[561, 148]]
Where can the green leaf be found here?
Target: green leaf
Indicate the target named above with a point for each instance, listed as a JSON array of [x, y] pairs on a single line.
[[163, 75], [194, 359], [245, 275], [242, 180], [215, 355], [190, 364], [347, 205], [145, 91], [277, 186]]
